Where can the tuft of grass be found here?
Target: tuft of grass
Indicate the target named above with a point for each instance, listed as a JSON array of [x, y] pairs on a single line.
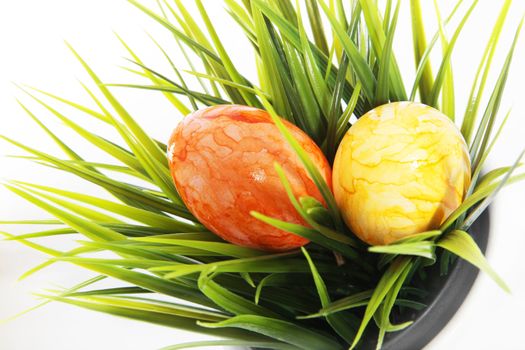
[[175, 272]]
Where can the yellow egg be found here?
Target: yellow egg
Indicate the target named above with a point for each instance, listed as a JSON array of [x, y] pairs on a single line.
[[401, 169]]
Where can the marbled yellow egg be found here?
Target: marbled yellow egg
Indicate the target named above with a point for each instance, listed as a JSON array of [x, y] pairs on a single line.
[[401, 169]]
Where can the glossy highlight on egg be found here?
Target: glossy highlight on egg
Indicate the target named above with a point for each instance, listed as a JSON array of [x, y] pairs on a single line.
[[401, 169], [222, 162]]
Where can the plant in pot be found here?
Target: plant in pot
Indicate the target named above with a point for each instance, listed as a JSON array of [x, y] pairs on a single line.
[[320, 207]]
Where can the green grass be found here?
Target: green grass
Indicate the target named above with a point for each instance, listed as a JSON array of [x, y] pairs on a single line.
[[316, 68]]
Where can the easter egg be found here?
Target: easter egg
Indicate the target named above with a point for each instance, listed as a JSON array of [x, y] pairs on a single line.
[[401, 169], [222, 162]]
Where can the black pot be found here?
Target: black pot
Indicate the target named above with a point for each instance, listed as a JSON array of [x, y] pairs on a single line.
[[446, 295]]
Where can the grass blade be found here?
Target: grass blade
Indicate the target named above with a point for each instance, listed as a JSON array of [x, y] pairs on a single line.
[[445, 63], [420, 45], [338, 322], [378, 40], [359, 65], [281, 330], [424, 249], [159, 318], [314, 173], [239, 343], [448, 96], [478, 85], [316, 23], [383, 81], [481, 140], [461, 243], [230, 301], [387, 282]]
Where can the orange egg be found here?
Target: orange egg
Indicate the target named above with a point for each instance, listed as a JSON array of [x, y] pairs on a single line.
[[222, 161]]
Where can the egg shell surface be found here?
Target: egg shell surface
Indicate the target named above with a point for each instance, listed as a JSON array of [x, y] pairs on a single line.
[[222, 162]]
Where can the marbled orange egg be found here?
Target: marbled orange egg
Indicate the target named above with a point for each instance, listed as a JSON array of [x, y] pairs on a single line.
[[222, 162]]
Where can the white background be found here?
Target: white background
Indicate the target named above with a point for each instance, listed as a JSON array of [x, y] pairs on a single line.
[[32, 52]]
